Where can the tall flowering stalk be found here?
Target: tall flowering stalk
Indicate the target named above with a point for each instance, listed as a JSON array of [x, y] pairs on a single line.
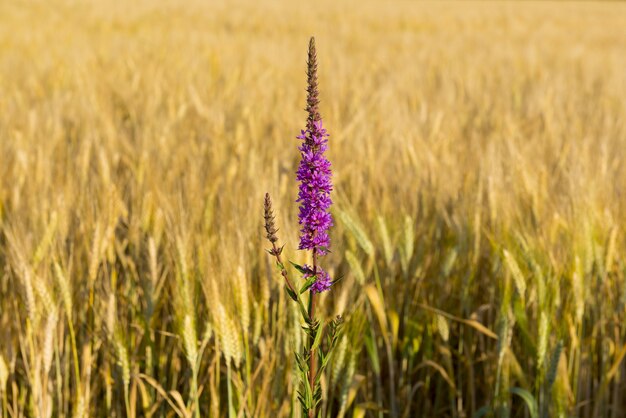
[[314, 175]]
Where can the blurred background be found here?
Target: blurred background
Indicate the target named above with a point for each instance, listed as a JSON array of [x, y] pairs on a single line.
[[477, 150]]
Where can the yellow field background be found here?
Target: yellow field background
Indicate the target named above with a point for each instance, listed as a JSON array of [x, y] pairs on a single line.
[[478, 156]]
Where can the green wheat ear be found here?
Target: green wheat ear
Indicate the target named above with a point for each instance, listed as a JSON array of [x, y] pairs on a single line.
[[554, 364]]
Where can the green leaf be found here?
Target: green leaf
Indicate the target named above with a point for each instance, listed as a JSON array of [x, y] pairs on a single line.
[[307, 285], [303, 311], [325, 361], [336, 280], [318, 338], [529, 399], [308, 394], [302, 364], [291, 293], [482, 412], [300, 268], [370, 345]]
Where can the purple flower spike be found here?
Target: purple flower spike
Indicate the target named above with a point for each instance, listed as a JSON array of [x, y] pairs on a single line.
[[322, 282], [314, 175]]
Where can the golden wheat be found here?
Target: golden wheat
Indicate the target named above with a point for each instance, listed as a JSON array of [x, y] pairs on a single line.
[[478, 161]]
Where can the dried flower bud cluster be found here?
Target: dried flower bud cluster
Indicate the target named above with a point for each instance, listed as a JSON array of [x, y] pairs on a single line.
[[270, 225]]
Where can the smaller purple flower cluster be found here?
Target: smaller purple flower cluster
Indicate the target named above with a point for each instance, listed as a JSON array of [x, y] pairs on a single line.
[[314, 175], [322, 281]]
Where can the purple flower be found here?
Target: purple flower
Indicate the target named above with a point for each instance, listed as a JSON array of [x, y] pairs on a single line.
[[322, 281], [314, 175]]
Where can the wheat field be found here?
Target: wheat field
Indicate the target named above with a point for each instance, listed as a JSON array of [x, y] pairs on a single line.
[[478, 156]]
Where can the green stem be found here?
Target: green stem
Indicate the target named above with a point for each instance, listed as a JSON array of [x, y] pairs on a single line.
[[231, 410], [5, 412], [312, 357], [194, 388], [74, 351], [127, 401], [248, 371]]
